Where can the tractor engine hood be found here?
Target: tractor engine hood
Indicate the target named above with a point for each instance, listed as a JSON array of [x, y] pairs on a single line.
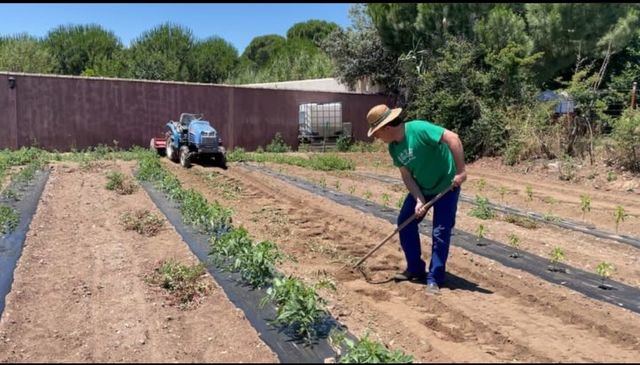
[[197, 127]]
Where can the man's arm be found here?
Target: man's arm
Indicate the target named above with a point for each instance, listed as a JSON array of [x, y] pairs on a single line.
[[455, 145], [413, 187]]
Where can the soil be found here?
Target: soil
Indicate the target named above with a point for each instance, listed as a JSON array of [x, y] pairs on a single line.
[[486, 312], [79, 293]]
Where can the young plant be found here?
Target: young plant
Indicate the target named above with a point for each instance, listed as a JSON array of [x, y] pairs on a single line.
[[514, 241], [367, 195], [322, 182], [10, 194], [367, 351], [400, 202], [480, 231], [482, 209], [385, 199], [481, 183], [257, 264], [585, 204], [502, 191], [620, 215], [352, 189], [529, 192], [9, 219], [611, 176], [604, 269], [142, 221], [556, 256], [337, 185], [298, 305]]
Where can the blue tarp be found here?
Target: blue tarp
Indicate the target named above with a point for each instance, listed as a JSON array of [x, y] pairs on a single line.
[[565, 104]]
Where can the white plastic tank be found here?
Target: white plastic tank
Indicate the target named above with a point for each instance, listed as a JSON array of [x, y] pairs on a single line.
[[320, 120]]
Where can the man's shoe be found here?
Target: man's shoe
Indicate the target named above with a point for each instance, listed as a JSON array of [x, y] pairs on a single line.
[[432, 288], [406, 275]]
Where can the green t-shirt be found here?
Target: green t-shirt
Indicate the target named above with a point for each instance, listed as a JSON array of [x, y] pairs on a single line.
[[430, 161]]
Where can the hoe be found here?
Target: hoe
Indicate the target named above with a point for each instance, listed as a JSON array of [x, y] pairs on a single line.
[[401, 226]]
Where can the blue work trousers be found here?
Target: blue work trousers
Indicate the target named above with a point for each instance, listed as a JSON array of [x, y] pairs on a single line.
[[444, 219]]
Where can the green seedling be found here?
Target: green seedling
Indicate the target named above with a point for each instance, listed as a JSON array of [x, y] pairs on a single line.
[[142, 221], [502, 191], [337, 185], [9, 219], [550, 217], [386, 198], [620, 215], [366, 350], [556, 256], [367, 195], [585, 205], [400, 202], [10, 194], [185, 283], [482, 209], [481, 183], [514, 241], [480, 232], [611, 176], [604, 269], [322, 182], [352, 189], [529, 192]]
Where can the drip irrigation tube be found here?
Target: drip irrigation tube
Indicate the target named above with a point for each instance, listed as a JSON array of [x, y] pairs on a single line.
[[588, 229], [246, 298], [576, 279], [11, 244]]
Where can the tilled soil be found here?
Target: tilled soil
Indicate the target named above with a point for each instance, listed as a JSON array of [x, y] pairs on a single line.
[[79, 293], [487, 312], [582, 250]]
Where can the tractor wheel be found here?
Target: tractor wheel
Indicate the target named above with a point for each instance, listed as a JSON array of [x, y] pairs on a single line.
[[221, 160], [184, 157], [172, 154]]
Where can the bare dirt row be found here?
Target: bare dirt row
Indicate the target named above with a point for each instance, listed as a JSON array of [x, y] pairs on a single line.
[[486, 313], [79, 293]]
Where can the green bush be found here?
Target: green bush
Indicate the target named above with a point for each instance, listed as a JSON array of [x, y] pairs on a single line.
[[9, 219], [343, 143], [367, 351], [277, 145], [626, 133]]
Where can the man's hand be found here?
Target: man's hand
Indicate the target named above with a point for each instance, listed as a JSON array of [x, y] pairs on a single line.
[[459, 178], [420, 211]]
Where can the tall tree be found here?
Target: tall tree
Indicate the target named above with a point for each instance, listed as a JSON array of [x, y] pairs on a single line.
[[24, 53], [261, 49], [212, 60], [313, 30], [77, 47], [162, 53]]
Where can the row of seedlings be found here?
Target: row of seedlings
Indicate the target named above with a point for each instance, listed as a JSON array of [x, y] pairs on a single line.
[[299, 307]]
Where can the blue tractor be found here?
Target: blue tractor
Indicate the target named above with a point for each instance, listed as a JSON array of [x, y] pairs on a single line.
[[191, 138]]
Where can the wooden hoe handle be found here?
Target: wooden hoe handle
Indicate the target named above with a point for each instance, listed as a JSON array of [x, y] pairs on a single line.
[[404, 224]]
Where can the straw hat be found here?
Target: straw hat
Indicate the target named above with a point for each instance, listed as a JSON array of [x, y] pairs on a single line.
[[379, 116]]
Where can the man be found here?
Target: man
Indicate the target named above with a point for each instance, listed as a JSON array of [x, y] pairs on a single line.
[[431, 160]]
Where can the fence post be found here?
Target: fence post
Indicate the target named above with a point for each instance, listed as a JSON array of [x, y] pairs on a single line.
[[633, 95]]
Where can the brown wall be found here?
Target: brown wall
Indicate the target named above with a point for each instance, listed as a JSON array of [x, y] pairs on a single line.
[[58, 112]]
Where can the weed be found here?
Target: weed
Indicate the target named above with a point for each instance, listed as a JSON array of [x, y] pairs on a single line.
[[604, 269], [9, 219], [556, 256], [367, 351], [480, 232], [337, 185], [400, 202], [180, 280], [238, 154], [521, 221], [514, 241], [567, 169], [367, 194], [620, 216], [116, 181], [142, 221], [386, 198], [585, 204], [10, 194], [343, 143], [352, 189], [322, 182], [482, 209], [611, 176], [550, 217], [502, 191]]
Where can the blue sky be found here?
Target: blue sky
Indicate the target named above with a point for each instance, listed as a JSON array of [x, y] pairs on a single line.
[[236, 23]]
